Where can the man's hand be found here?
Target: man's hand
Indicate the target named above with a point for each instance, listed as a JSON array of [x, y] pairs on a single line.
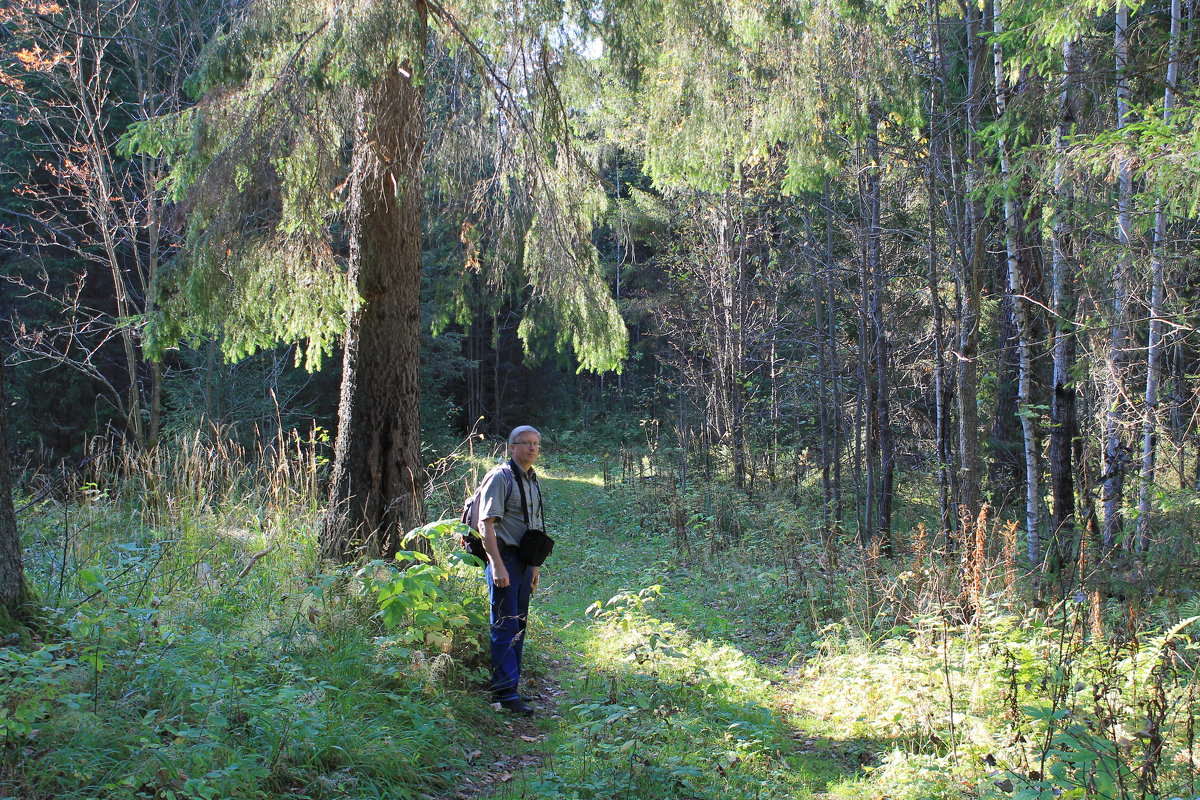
[[533, 586], [499, 571]]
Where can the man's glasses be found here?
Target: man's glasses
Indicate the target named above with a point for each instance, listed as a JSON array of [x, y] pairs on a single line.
[[527, 444]]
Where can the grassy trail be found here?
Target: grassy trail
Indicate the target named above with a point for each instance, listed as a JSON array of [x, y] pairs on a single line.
[[648, 694]]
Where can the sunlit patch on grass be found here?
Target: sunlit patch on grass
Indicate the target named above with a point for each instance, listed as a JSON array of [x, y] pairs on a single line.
[[659, 714]]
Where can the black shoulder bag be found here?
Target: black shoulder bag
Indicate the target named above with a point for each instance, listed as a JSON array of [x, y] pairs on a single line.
[[536, 545]]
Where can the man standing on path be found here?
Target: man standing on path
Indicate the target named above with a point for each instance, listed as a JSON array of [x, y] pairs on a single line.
[[510, 504]]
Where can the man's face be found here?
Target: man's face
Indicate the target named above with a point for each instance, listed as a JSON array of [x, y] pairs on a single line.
[[526, 448]]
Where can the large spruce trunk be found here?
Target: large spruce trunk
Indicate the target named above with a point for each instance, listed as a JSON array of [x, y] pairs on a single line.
[[376, 493]]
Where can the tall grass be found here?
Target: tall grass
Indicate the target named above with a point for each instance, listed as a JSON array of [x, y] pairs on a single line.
[[977, 674], [199, 650]]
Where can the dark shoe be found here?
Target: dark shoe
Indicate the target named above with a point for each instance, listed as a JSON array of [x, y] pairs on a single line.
[[517, 706]]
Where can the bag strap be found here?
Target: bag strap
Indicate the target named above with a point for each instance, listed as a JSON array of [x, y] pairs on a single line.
[[515, 475]]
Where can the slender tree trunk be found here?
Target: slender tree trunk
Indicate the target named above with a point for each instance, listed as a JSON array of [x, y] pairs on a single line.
[[946, 514], [1154, 347], [1062, 409], [824, 380], [1020, 307], [1180, 420], [474, 372], [737, 336], [154, 228], [831, 339], [377, 477], [868, 423], [775, 416], [864, 434], [94, 146], [1005, 470], [1114, 416], [879, 337], [12, 574], [967, 375]]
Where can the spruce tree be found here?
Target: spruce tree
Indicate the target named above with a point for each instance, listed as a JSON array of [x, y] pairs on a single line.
[[301, 168]]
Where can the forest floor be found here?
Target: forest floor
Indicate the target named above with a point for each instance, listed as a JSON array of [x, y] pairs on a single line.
[[655, 677], [197, 654]]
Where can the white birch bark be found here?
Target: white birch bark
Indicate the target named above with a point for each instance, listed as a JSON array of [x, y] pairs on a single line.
[[1020, 310], [1154, 346]]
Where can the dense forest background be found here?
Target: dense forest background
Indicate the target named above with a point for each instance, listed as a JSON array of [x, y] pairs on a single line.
[[904, 283], [881, 242]]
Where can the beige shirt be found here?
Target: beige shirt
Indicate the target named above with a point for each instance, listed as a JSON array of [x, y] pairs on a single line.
[[508, 520]]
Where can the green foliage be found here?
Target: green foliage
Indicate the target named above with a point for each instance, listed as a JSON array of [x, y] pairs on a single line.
[[427, 604], [31, 686], [572, 308], [261, 163], [1158, 152], [711, 671], [715, 89], [180, 668], [1104, 715], [668, 716]]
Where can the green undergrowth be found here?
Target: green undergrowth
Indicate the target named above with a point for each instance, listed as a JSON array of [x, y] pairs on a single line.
[[191, 651], [689, 646], [651, 710], [719, 667]]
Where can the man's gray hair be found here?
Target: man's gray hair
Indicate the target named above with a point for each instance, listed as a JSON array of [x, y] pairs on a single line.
[[520, 430]]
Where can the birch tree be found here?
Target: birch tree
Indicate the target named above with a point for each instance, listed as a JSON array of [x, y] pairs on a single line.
[[1020, 305], [1154, 345]]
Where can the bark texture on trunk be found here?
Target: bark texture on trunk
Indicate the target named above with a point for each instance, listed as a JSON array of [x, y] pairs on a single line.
[[12, 574], [1062, 404], [377, 484], [1115, 454], [1154, 346], [941, 395], [969, 313], [881, 460], [1021, 314], [1004, 470]]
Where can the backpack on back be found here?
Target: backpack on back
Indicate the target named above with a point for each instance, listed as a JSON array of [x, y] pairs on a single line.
[[472, 541]]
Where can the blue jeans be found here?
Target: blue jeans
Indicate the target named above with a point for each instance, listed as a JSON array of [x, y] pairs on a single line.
[[510, 612]]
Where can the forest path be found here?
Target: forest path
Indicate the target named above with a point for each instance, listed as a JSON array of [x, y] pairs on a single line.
[[640, 696]]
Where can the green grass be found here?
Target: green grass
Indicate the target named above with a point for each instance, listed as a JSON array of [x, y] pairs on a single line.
[[754, 661], [660, 701], [725, 670]]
